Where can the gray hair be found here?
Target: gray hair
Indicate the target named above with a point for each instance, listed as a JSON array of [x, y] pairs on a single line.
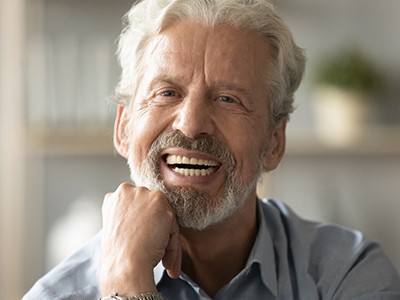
[[148, 18]]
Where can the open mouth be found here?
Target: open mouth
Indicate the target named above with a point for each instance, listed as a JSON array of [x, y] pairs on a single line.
[[189, 166]]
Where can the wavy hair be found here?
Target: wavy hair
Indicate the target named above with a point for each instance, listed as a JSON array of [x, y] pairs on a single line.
[[148, 18]]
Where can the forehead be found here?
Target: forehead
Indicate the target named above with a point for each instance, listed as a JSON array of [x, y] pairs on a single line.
[[219, 53]]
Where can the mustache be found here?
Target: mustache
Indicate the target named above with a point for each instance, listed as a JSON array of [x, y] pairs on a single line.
[[206, 144]]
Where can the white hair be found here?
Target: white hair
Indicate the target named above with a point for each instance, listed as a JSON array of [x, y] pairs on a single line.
[[148, 18]]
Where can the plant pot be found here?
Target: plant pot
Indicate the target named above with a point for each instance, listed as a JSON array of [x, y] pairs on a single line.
[[340, 114]]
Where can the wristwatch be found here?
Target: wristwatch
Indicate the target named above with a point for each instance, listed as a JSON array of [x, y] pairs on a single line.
[[145, 296]]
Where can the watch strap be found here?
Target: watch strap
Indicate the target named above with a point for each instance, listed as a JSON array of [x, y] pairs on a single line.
[[144, 296]]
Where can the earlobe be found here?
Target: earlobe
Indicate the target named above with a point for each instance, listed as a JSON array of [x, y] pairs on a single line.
[[277, 147], [120, 131]]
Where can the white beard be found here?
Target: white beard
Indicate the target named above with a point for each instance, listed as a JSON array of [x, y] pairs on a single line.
[[194, 209]]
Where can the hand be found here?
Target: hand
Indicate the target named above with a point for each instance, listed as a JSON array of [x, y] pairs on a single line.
[[139, 230]]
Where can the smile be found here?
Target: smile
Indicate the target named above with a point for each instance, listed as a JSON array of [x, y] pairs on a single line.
[[189, 166]]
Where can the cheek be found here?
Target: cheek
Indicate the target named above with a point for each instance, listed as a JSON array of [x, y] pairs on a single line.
[[247, 147], [144, 128], [248, 158]]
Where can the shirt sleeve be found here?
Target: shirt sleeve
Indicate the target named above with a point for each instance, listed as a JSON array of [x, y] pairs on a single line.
[[73, 279], [370, 276], [329, 262]]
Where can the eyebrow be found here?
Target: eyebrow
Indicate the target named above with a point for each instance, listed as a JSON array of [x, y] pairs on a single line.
[[234, 87], [176, 80], [166, 79]]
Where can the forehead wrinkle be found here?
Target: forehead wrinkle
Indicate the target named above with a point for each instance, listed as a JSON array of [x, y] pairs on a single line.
[[175, 61], [166, 79], [169, 67], [224, 49], [181, 59], [230, 86]]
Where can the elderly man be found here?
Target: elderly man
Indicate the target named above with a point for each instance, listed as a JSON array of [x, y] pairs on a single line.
[[205, 94]]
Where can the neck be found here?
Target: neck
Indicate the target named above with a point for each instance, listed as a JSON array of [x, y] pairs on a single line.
[[214, 256]]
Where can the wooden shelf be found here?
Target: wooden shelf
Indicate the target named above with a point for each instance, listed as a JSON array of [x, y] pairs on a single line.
[[372, 141], [69, 141]]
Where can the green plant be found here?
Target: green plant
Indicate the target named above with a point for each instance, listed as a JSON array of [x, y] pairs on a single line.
[[349, 70]]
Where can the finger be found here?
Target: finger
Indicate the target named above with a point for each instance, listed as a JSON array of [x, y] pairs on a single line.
[[110, 199], [175, 271], [106, 207], [173, 253], [172, 248]]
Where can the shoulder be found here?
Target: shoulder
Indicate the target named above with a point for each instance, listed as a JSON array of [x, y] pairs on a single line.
[[74, 278], [340, 263]]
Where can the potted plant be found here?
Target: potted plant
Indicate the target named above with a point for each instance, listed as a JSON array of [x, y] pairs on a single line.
[[346, 83]]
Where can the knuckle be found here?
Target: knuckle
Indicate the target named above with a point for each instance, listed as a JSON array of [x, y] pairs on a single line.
[[124, 186], [107, 199], [141, 189], [157, 194]]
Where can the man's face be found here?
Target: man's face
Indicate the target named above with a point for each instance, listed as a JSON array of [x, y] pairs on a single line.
[[198, 126]]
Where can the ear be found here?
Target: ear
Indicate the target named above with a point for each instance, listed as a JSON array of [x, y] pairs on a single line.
[[121, 143], [277, 146]]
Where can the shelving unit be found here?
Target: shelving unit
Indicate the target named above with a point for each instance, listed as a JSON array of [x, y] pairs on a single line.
[[68, 118], [70, 73], [375, 141], [72, 69], [71, 141]]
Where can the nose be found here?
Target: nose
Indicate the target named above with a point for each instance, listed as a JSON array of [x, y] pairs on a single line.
[[194, 117]]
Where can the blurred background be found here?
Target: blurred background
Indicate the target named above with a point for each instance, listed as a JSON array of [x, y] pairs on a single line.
[[58, 70]]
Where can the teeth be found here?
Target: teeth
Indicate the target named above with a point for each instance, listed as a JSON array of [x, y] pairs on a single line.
[[210, 166], [177, 159], [192, 172]]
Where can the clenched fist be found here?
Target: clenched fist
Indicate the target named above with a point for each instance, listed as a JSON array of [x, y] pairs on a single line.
[[139, 230]]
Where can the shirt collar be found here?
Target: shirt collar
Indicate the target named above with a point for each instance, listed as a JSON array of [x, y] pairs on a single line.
[[158, 272], [262, 254]]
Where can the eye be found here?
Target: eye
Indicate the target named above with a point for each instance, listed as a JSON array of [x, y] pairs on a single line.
[[227, 99], [168, 93], [166, 96]]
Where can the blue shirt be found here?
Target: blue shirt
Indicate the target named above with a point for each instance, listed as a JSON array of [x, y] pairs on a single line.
[[291, 259]]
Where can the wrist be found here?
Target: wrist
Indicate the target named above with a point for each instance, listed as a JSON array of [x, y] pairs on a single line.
[[132, 288], [127, 281], [145, 296]]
